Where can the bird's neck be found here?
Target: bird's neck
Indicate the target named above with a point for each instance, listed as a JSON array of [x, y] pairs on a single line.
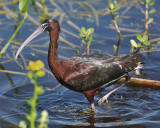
[[53, 46], [53, 61]]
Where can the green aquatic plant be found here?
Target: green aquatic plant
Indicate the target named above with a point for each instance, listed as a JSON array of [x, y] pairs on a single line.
[[35, 72], [143, 41], [148, 20], [86, 37], [23, 7], [113, 8], [43, 120]]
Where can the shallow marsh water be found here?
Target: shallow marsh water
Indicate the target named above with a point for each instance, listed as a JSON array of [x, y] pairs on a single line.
[[129, 107]]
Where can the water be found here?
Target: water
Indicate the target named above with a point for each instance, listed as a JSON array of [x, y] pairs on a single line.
[[129, 107]]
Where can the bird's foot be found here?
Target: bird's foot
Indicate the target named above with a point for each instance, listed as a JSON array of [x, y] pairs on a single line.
[[103, 100], [93, 111]]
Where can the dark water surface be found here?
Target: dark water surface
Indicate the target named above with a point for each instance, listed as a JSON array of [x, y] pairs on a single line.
[[129, 107]]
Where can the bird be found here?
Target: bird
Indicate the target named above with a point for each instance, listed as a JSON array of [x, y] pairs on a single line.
[[87, 74]]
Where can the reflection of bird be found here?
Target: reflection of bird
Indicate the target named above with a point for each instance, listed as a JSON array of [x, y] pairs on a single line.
[[88, 74]]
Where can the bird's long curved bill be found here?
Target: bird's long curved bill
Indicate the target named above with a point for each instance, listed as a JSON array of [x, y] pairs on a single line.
[[31, 37]]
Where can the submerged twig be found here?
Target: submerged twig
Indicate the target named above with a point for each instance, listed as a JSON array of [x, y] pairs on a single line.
[[67, 42], [52, 89], [61, 18], [49, 72], [55, 5], [13, 72], [74, 26], [93, 13], [19, 64], [69, 33], [141, 82], [46, 52]]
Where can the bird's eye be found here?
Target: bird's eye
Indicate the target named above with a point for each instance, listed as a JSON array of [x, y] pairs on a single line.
[[44, 26]]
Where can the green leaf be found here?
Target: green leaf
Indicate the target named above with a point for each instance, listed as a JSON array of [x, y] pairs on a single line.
[[39, 90], [139, 45], [147, 1], [134, 44], [134, 50], [90, 31], [145, 38], [147, 44], [83, 30], [43, 120], [83, 42], [141, 2], [87, 33], [111, 6], [90, 40], [77, 51], [115, 2], [23, 5], [116, 17], [150, 20], [22, 124], [28, 117], [139, 37], [115, 13], [81, 35], [152, 11], [116, 8], [115, 47], [30, 74], [152, 3], [109, 10]]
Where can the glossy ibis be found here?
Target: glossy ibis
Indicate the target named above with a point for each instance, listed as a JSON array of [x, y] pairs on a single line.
[[88, 74]]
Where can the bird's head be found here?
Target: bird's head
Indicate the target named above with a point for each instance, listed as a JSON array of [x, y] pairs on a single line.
[[48, 25]]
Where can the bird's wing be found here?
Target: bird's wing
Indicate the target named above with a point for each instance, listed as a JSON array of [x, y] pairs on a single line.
[[88, 72]]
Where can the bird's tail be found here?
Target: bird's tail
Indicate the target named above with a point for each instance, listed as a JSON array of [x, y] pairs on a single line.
[[131, 63]]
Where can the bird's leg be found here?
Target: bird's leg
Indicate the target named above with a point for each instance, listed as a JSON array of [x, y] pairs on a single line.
[[90, 96], [92, 106], [105, 97]]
